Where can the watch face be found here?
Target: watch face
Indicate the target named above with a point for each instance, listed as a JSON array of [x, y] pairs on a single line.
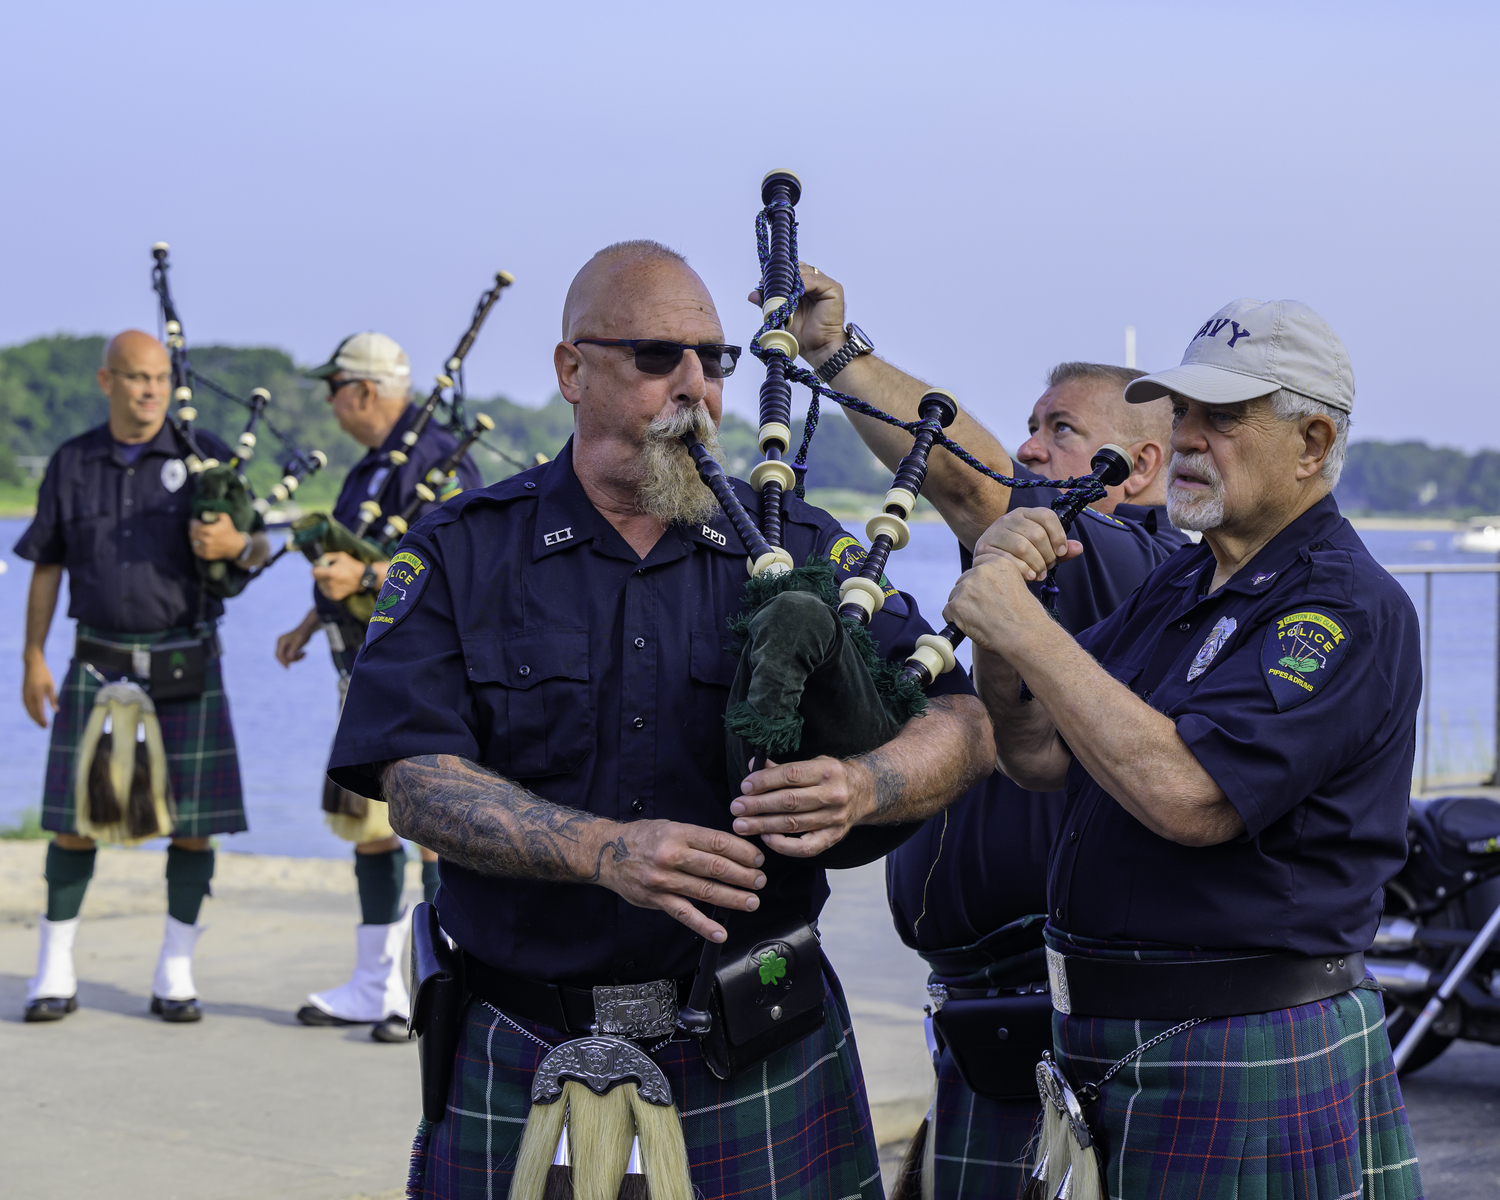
[[858, 334]]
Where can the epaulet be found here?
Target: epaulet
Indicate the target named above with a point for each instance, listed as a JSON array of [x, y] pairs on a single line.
[[1105, 518], [523, 486]]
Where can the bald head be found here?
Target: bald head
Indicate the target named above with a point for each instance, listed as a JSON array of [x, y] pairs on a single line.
[[137, 378], [617, 292], [131, 349]]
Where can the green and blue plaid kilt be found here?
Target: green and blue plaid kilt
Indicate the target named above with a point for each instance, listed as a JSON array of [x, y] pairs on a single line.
[[202, 764], [982, 1144], [1298, 1103], [794, 1127]]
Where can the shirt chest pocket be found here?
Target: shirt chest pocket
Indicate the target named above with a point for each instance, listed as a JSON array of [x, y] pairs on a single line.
[[532, 691]]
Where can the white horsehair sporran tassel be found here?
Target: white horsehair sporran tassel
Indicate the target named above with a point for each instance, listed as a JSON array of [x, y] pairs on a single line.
[[1066, 1166], [617, 1109]]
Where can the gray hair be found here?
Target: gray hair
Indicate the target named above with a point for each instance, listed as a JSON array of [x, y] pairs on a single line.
[[1149, 422], [1292, 406], [1093, 372]]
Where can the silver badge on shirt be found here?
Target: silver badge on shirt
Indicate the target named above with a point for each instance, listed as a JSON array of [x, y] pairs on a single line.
[[173, 474], [1207, 652]]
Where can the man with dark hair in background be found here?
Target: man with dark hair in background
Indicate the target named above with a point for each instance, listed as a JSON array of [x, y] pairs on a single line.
[[968, 891]]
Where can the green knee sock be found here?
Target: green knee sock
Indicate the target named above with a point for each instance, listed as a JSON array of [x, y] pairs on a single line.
[[429, 881], [380, 878], [188, 873], [68, 873]]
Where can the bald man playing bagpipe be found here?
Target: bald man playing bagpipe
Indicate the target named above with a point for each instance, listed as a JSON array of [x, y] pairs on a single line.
[[544, 706]]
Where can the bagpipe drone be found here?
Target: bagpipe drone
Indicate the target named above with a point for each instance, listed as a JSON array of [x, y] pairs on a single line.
[[222, 487], [318, 533]]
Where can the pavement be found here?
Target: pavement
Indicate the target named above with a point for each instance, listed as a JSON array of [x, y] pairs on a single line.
[[250, 1104]]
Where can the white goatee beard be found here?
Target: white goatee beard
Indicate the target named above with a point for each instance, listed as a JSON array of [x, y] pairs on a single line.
[[1195, 512], [670, 489]]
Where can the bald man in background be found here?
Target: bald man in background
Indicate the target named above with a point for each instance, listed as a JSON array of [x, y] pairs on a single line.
[[968, 891], [114, 511]]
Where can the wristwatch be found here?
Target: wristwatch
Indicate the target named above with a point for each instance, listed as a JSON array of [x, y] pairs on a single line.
[[369, 581], [854, 345], [244, 555]]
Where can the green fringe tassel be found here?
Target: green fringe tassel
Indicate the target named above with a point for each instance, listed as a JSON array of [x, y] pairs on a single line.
[[777, 736], [903, 696]]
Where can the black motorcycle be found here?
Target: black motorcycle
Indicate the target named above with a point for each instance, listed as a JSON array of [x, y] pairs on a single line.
[[1437, 953]]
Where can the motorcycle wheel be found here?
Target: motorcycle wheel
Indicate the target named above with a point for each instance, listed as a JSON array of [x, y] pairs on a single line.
[[1397, 1021]]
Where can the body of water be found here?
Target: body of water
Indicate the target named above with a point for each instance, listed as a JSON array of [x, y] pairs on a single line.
[[284, 719]]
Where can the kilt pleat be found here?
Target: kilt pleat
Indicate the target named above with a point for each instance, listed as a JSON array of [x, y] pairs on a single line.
[[202, 762], [981, 1144], [795, 1127], [1298, 1104]]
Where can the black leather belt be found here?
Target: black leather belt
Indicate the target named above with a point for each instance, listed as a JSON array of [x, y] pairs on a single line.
[[118, 660], [621, 1009], [1213, 987]]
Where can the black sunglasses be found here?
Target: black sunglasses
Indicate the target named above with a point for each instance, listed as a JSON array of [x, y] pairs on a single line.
[[656, 357], [335, 384]]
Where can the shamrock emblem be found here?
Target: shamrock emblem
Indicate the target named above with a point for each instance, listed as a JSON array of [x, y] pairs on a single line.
[[772, 967]]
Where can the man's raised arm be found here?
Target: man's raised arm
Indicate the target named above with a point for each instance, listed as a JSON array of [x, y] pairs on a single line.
[[485, 823], [966, 500]]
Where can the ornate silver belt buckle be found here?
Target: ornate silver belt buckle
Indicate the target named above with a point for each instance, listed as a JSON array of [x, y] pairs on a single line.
[[636, 1010], [1057, 981]]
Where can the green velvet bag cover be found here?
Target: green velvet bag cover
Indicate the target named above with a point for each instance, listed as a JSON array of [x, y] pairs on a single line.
[[810, 683], [221, 490], [317, 534]]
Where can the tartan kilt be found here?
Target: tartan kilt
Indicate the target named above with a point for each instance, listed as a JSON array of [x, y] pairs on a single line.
[[1298, 1103], [981, 1145], [202, 764], [795, 1127]]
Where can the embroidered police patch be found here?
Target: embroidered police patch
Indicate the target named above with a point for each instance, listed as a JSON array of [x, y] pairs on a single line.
[[848, 556], [1301, 652], [404, 582]]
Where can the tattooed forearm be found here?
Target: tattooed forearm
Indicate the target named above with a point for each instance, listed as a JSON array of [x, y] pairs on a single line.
[[618, 852], [481, 821], [931, 762]]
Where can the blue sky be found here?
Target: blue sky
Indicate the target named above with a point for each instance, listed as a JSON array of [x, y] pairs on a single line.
[[1000, 186]]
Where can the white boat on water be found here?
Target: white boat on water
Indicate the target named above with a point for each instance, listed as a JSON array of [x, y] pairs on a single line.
[[1480, 536]]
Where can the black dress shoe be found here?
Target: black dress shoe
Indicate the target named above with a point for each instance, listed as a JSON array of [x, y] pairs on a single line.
[[392, 1029], [177, 1011], [51, 1008], [311, 1014]]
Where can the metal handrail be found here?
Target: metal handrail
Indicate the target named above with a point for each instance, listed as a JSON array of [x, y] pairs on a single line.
[[1429, 570]]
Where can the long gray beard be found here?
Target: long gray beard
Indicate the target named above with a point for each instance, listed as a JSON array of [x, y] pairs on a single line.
[[670, 489], [1202, 512]]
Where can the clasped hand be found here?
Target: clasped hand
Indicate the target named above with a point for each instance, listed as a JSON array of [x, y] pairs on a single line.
[[991, 603], [214, 537], [337, 575]]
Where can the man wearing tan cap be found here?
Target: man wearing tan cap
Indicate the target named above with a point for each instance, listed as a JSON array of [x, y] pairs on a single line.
[[369, 387], [1237, 745]]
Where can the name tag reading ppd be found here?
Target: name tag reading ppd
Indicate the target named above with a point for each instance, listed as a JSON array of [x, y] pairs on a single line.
[[714, 535]]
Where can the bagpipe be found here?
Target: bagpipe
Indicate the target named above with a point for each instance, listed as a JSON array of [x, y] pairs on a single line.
[[856, 699], [223, 487], [318, 533]]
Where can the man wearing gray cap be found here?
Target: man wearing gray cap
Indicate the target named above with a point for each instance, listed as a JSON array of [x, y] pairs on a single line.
[[369, 387], [1237, 745]]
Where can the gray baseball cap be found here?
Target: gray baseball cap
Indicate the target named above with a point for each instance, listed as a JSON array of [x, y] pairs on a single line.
[[1252, 348]]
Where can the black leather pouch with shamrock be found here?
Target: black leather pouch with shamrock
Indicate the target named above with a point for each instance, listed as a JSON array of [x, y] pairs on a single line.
[[768, 993]]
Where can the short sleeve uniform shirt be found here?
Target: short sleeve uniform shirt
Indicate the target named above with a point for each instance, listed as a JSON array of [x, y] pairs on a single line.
[[370, 479], [983, 862], [120, 528], [517, 629], [1296, 686]]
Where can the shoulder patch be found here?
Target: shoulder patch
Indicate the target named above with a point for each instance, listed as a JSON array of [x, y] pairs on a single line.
[[1301, 652], [848, 556], [403, 585]]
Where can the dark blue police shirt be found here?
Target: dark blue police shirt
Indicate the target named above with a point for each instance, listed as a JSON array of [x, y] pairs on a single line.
[[121, 531], [1306, 675], [369, 479], [982, 863], [520, 630]]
